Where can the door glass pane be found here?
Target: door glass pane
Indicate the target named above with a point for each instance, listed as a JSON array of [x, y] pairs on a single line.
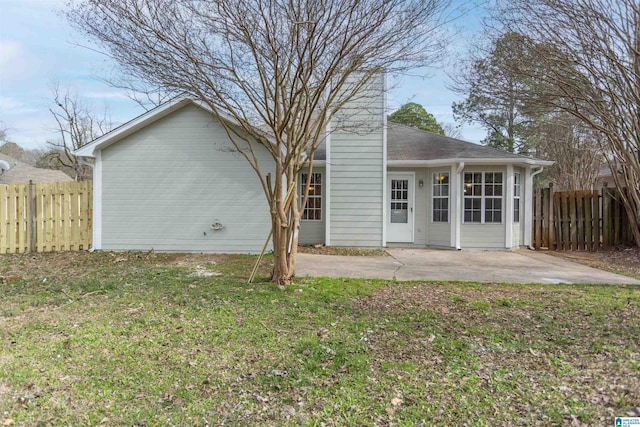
[[399, 201]]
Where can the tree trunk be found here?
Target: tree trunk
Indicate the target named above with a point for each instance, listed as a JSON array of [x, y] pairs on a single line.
[[285, 249], [282, 273], [285, 222]]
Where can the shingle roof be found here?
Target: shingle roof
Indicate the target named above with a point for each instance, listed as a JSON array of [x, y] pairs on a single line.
[[405, 143], [408, 143], [22, 173]]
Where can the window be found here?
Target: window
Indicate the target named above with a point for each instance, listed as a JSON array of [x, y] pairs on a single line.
[[440, 186], [516, 197], [399, 201], [483, 197], [313, 210]]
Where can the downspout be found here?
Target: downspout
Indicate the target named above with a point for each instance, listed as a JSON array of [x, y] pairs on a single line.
[[531, 198], [537, 172], [459, 206]]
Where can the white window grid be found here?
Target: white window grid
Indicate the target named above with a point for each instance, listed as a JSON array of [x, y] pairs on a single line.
[[482, 197], [440, 197], [313, 209]]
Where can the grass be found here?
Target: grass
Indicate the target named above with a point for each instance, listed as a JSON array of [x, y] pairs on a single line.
[[155, 339]]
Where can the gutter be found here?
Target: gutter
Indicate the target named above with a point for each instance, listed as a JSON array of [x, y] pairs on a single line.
[[532, 175]]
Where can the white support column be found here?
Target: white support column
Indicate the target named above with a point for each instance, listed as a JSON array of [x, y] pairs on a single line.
[[327, 188], [454, 194], [528, 206], [97, 201], [508, 209], [384, 162], [459, 206]]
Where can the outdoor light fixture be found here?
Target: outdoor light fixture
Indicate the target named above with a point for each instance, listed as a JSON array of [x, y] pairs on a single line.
[[420, 183]]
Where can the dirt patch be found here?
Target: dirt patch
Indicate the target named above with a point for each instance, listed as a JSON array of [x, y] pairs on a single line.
[[620, 260], [73, 265]]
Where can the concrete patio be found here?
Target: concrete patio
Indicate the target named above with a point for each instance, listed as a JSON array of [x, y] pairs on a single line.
[[523, 266]]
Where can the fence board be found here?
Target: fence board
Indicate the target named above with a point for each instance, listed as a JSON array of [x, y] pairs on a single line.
[[580, 220], [45, 217], [537, 218], [580, 225], [550, 232], [596, 229]]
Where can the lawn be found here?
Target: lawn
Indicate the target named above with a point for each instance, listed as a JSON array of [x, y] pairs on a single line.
[[155, 339]]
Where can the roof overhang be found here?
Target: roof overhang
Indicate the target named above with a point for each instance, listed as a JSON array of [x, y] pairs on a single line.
[[132, 126], [479, 162]]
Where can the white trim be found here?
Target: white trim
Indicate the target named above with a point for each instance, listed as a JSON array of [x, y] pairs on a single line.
[[483, 197], [97, 202], [508, 209], [131, 126], [431, 197], [327, 192], [301, 190], [384, 164], [483, 161], [144, 120], [457, 226], [412, 199]]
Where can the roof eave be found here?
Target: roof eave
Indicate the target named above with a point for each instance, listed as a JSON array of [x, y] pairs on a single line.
[[473, 161], [131, 126], [142, 121]]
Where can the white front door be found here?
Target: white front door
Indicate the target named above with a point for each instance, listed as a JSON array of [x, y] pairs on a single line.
[[400, 207]]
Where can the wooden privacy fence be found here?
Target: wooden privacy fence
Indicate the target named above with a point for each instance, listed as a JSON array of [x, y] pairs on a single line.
[[579, 220], [44, 217]]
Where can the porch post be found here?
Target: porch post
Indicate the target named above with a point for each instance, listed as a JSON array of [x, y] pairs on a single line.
[[456, 202], [327, 188], [528, 206], [508, 209]]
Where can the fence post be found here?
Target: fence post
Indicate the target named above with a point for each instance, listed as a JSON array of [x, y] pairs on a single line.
[[32, 217]]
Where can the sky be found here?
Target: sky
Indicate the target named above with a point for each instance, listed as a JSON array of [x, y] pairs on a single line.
[[38, 49]]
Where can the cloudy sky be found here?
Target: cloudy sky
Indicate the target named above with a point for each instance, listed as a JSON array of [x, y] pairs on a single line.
[[38, 49]]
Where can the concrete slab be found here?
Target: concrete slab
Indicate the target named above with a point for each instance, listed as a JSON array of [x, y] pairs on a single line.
[[478, 266]]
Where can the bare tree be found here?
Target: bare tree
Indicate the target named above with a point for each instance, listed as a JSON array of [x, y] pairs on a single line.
[[573, 146], [494, 90], [77, 126], [285, 66], [146, 96], [591, 55], [451, 130]]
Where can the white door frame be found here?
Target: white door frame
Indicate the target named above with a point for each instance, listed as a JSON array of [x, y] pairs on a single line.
[[408, 234]]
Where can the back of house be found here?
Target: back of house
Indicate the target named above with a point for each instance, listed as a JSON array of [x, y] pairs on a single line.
[[171, 180]]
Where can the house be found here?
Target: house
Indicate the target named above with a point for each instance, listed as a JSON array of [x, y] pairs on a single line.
[[21, 173], [170, 180]]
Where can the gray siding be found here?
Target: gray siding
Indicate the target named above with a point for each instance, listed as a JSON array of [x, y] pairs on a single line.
[[357, 177], [482, 236], [422, 207], [163, 187], [312, 232], [516, 237], [439, 234], [488, 235]]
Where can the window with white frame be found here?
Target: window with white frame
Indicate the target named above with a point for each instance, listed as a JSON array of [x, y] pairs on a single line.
[[313, 209], [440, 196], [516, 196], [483, 197]]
